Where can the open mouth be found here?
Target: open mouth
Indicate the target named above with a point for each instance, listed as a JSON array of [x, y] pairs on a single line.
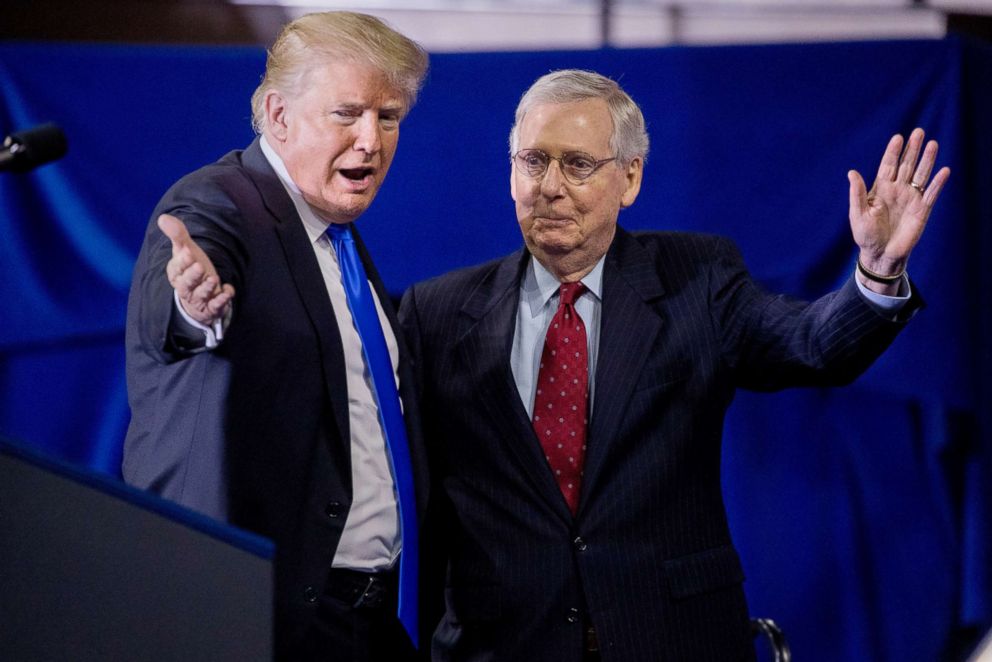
[[356, 174]]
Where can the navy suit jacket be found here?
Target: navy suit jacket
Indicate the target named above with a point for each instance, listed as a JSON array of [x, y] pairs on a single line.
[[647, 559], [256, 431]]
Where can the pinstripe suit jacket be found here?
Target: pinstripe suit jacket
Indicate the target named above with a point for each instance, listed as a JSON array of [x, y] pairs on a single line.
[[648, 558]]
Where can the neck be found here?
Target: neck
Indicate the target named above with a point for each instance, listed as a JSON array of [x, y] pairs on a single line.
[[574, 265], [566, 267]]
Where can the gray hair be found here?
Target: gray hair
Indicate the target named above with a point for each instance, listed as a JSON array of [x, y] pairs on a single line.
[[338, 35], [629, 138]]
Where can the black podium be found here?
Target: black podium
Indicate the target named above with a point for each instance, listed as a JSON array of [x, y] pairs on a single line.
[[91, 569]]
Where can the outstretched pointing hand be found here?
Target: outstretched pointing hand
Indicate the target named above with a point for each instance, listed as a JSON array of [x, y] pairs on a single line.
[[193, 276]]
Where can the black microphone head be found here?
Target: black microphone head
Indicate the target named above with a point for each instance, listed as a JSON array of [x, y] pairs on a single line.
[[35, 147]]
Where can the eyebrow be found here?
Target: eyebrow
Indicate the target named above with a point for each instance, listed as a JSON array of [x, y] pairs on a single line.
[[580, 152], [391, 107]]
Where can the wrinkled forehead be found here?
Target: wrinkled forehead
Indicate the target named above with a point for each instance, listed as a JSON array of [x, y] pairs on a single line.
[[576, 126]]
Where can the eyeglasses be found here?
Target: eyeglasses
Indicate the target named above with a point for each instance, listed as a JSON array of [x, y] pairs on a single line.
[[576, 166]]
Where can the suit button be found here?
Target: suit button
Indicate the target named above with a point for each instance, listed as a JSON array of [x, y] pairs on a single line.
[[333, 509], [580, 544], [310, 594], [573, 615]]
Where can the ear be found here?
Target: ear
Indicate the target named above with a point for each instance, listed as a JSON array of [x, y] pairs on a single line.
[[632, 179], [275, 115]]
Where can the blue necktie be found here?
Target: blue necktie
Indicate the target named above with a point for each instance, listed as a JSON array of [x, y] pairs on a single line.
[[362, 305]]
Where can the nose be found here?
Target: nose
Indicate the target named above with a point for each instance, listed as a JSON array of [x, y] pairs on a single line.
[[553, 180], [367, 137]]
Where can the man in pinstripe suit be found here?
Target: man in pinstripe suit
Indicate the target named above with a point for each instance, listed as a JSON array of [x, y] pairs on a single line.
[[599, 532]]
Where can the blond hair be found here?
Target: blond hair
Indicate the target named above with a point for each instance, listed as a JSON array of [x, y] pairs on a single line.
[[338, 35], [629, 138]]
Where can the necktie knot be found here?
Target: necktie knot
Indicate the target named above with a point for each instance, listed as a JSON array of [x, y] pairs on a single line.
[[337, 231], [569, 292]]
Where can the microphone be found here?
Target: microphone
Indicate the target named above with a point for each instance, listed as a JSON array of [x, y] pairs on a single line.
[[30, 148]]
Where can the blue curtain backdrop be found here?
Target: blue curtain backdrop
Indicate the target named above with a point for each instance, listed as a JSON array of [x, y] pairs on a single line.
[[862, 513]]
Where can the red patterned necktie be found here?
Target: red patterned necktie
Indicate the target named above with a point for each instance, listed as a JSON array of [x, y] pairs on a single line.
[[563, 394]]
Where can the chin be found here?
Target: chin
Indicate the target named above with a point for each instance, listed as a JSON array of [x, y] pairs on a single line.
[[346, 210], [554, 242]]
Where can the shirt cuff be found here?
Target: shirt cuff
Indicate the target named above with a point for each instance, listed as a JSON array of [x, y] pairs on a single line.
[[882, 303], [213, 334]]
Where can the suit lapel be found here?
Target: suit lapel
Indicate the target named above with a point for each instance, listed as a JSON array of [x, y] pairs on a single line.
[[628, 329], [302, 265], [485, 348]]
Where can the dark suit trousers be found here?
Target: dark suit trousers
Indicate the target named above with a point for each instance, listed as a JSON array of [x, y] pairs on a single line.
[[344, 632]]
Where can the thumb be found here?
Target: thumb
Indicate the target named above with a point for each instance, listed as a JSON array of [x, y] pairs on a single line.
[[858, 192], [174, 229]]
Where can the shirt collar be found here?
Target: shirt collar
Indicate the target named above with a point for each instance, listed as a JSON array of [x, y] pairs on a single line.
[[540, 286], [313, 224]]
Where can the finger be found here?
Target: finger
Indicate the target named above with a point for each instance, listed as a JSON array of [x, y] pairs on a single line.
[[203, 292], [857, 194], [907, 165], [930, 195], [890, 160], [189, 280], [181, 260], [922, 174], [175, 230], [218, 304]]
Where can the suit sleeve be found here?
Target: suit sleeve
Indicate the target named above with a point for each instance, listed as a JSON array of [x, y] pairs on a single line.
[[774, 341], [214, 223]]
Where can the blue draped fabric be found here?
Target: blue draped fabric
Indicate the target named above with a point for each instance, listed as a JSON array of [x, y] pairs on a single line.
[[862, 514]]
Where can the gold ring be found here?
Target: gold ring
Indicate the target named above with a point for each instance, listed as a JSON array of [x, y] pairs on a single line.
[[917, 187]]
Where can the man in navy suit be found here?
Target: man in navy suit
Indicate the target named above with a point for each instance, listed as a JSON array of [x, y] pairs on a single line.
[[573, 393], [250, 391]]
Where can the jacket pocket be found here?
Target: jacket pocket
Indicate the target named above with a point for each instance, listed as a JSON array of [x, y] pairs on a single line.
[[703, 572]]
